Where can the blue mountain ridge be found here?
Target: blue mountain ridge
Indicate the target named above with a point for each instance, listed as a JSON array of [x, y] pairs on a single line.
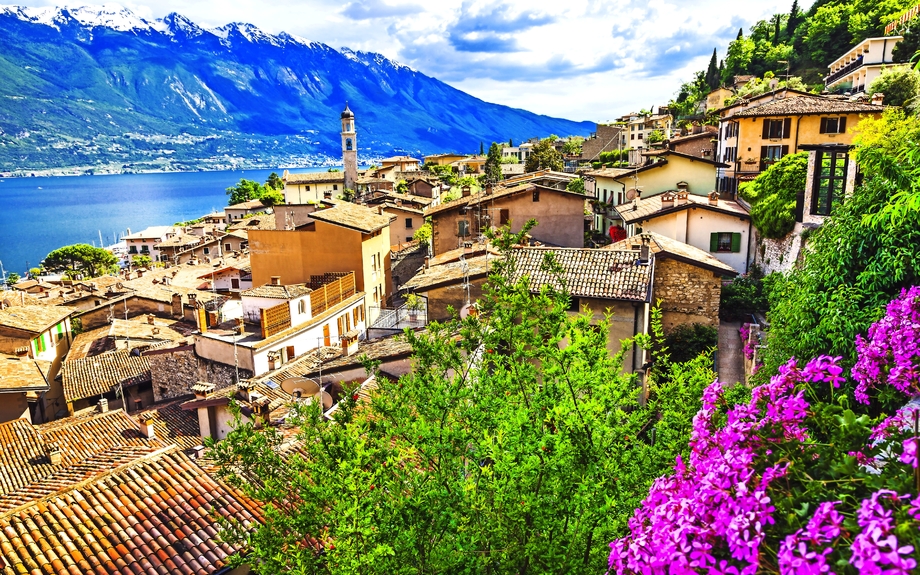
[[113, 92]]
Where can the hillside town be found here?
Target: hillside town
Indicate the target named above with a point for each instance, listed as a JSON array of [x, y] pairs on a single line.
[[117, 389]]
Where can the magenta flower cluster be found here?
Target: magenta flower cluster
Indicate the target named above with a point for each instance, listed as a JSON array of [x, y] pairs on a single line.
[[710, 515], [806, 550], [745, 331], [891, 354]]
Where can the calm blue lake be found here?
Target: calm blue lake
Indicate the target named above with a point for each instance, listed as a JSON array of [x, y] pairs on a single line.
[[41, 214]]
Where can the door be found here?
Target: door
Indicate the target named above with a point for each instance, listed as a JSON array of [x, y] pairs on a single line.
[[234, 283], [326, 340]]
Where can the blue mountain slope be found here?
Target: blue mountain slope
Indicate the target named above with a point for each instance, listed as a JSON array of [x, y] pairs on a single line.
[[102, 88]]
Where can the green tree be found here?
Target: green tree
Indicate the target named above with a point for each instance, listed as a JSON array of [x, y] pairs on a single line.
[[482, 149], [576, 185], [402, 187], [906, 50], [544, 157], [247, 190], [794, 19], [772, 195], [35, 272], [141, 261], [503, 451], [826, 36], [12, 278], [713, 80], [655, 137], [738, 58], [901, 87], [573, 145], [81, 259], [423, 234], [274, 181], [493, 167]]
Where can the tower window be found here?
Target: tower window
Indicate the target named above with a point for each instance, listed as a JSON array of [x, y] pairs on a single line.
[[348, 144]]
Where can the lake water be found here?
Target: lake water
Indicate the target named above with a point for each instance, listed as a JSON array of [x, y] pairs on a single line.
[[39, 215]]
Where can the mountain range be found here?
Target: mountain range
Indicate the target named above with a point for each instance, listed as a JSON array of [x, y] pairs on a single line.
[[99, 89]]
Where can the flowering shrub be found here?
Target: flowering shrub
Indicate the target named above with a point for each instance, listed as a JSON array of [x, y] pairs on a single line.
[[717, 513], [746, 339]]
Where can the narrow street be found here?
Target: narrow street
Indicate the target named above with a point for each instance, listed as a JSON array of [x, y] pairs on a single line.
[[731, 358]]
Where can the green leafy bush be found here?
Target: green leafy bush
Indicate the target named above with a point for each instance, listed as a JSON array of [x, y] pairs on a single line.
[[687, 341], [745, 295], [772, 195]]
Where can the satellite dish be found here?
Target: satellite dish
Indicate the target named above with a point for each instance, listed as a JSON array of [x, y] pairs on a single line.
[[327, 401], [6, 303], [300, 387], [119, 286], [631, 194]]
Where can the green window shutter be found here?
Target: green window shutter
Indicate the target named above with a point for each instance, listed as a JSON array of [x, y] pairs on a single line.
[[736, 243], [713, 242]]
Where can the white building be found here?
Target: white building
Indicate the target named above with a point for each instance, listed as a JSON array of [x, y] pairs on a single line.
[[855, 71], [145, 242], [281, 322]]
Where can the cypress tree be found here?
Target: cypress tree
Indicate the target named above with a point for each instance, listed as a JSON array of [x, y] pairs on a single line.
[[795, 18], [482, 149], [713, 78], [740, 34], [776, 30]]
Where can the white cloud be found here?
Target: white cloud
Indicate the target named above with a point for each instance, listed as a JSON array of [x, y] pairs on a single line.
[[579, 59]]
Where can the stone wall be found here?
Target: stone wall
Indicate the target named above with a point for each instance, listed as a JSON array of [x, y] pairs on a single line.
[[779, 255], [174, 371], [607, 140], [404, 265], [688, 294]]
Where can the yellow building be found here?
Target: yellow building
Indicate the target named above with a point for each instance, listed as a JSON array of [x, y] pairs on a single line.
[[312, 187], [338, 237], [754, 134], [443, 159]]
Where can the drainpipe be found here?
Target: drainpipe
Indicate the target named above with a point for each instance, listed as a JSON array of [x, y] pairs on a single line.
[[747, 259], [798, 122]]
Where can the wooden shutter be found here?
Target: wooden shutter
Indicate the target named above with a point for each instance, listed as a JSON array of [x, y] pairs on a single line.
[[823, 128], [783, 151], [787, 127], [766, 129], [736, 243], [504, 216], [341, 326], [290, 352], [842, 126], [326, 338], [763, 154], [714, 242]]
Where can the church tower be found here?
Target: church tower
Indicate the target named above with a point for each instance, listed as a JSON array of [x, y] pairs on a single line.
[[349, 148]]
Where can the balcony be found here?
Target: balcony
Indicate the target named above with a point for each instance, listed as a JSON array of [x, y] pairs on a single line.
[[392, 321], [841, 73]]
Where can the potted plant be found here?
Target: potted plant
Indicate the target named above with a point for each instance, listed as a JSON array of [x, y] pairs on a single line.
[[414, 304]]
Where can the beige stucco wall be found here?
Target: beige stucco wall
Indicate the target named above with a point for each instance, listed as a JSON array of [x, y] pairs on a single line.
[[399, 233], [699, 175], [694, 225], [455, 296], [624, 323], [300, 194]]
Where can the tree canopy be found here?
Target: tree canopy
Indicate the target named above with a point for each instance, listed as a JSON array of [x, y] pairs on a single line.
[[81, 259], [772, 195], [247, 190], [502, 452], [544, 157], [493, 166]]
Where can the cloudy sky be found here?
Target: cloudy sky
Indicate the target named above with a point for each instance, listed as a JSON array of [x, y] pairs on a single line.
[[578, 59]]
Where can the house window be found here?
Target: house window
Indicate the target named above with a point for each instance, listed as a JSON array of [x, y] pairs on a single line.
[[206, 251], [409, 239], [408, 223], [132, 250], [228, 248], [725, 242], [301, 307], [145, 249], [335, 187], [640, 135], [833, 125], [308, 188], [536, 195], [632, 136], [504, 216], [829, 182], [777, 129], [463, 228]]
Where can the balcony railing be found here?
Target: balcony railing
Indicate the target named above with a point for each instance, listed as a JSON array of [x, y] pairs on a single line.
[[831, 78]]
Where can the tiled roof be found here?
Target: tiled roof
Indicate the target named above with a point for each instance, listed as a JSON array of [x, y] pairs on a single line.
[[352, 216], [176, 425], [179, 240], [33, 318], [18, 375], [248, 205], [603, 274], [89, 445], [314, 178], [155, 515], [142, 330], [808, 104], [99, 374], [477, 249], [263, 222], [473, 199], [398, 159], [651, 207], [685, 252], [278, 292], [451, 272]]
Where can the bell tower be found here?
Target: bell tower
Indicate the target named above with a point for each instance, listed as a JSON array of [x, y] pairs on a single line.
[[349, 148]]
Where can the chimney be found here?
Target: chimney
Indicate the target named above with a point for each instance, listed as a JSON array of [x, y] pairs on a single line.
[[155, 331], [465, 191], [489, 189], [22, 353], [349, 346], [103, 405], [54, 454], [202, 389], [177, 310], [713, 198], [380, 210], [645, 249], [276, 280], [150, 319], [193, 300], [426, 262], [140, 273], [682, 197], [146, 425], [245, 388], [667, 199], [878, 98], [239, 326]]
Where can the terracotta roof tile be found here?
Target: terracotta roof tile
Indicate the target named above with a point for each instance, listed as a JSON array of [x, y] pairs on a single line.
[[650, 207], [99, 374], [278, 291], [808, 104], [450, 272], [314, 178], [603, 274], [156, 515], [264, 222], [17, 375], [664, 245], [33, 318], [352, 216]]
